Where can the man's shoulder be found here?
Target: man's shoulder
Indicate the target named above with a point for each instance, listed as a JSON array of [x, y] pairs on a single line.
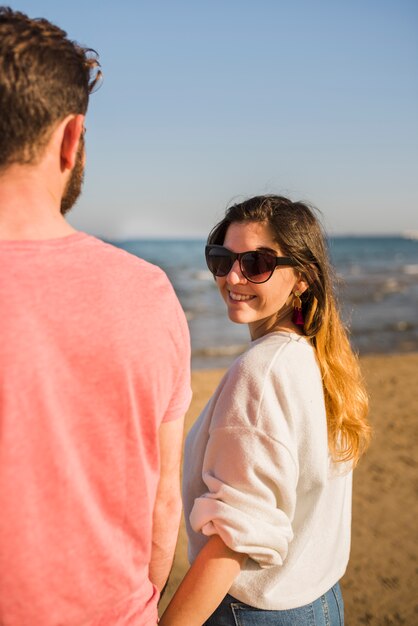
[[118, 256], [125, 267]]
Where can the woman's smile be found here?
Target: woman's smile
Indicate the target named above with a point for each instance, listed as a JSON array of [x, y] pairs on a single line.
[[240, 297]]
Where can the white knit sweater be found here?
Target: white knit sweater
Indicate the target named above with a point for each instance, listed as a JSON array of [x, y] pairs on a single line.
[[257, 472]]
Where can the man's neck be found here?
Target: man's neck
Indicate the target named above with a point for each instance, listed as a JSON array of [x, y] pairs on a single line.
[[30, 206]]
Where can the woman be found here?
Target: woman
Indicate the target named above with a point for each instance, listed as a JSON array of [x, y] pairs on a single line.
[[268, 464]]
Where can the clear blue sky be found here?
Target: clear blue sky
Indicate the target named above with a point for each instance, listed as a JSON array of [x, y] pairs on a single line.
[[205, 101]]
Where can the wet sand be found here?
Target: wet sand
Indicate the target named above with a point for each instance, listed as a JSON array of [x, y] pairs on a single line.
[[380, 584]]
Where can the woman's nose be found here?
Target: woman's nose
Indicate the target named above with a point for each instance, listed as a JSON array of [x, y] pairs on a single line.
[[235, 275]]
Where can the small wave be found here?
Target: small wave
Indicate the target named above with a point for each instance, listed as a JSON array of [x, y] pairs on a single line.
[[189, 315], [411, 270], [217, 351], [391, 285], [410, 234], [203, 275], [402, 326], [355, 270], [380, 291]]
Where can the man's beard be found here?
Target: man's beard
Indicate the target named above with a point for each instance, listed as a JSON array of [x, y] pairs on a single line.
[[75, 182]]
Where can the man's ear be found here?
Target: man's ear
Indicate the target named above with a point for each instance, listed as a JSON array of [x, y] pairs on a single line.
[[73, 128]]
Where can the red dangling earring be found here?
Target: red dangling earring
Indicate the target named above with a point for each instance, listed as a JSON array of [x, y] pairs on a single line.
[[297, 317]]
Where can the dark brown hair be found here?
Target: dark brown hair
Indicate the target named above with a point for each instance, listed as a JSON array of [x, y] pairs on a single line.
[[299, 234], [43, 78]]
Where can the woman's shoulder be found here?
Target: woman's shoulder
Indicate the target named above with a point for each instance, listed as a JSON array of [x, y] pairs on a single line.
[[278, 360], [263, 385], [273, 352]]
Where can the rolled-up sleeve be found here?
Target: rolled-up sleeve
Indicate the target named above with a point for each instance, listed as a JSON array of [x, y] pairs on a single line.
[[250, 500]]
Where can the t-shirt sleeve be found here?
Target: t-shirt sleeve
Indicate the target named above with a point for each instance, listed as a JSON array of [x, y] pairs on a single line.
[[179, 361], [251, 475]]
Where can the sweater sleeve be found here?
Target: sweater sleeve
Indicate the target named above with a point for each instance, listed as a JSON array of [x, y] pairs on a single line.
[[251, 493]]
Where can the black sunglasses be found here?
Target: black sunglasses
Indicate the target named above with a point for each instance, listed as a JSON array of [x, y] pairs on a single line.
[[255, 266]]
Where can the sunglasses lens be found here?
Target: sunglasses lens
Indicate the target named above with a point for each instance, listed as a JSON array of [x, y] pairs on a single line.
[[219, 261], [257, 266]]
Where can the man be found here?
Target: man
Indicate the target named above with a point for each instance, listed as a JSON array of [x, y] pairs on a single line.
[[94, 368]]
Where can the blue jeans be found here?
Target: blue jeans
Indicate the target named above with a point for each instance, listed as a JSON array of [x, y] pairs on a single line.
[[328, 610]]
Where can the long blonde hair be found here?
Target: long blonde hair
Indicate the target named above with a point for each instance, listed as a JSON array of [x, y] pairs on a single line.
[[299, 234]]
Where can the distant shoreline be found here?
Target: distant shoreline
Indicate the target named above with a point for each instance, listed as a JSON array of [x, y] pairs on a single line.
[[408, 234], [221, 357]]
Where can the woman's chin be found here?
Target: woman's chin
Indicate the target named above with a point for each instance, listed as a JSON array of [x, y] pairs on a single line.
[[239, 317]]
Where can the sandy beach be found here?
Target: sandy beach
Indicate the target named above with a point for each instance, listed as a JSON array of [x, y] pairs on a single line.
[[380, 584]]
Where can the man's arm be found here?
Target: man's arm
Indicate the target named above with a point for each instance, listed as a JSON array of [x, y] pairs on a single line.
[[167, 510]]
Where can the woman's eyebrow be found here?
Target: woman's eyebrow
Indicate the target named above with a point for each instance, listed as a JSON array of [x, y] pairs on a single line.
[[266, 249]]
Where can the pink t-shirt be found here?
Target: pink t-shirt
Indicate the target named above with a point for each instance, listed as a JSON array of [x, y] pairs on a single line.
[[94, 355]]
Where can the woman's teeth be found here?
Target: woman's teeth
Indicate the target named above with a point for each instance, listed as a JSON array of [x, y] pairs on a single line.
[[240, 297]]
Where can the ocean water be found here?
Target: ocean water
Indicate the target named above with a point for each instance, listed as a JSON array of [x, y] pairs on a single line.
[[377, 288]]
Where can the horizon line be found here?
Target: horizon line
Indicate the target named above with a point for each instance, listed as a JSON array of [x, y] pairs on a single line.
[[408, 234]]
